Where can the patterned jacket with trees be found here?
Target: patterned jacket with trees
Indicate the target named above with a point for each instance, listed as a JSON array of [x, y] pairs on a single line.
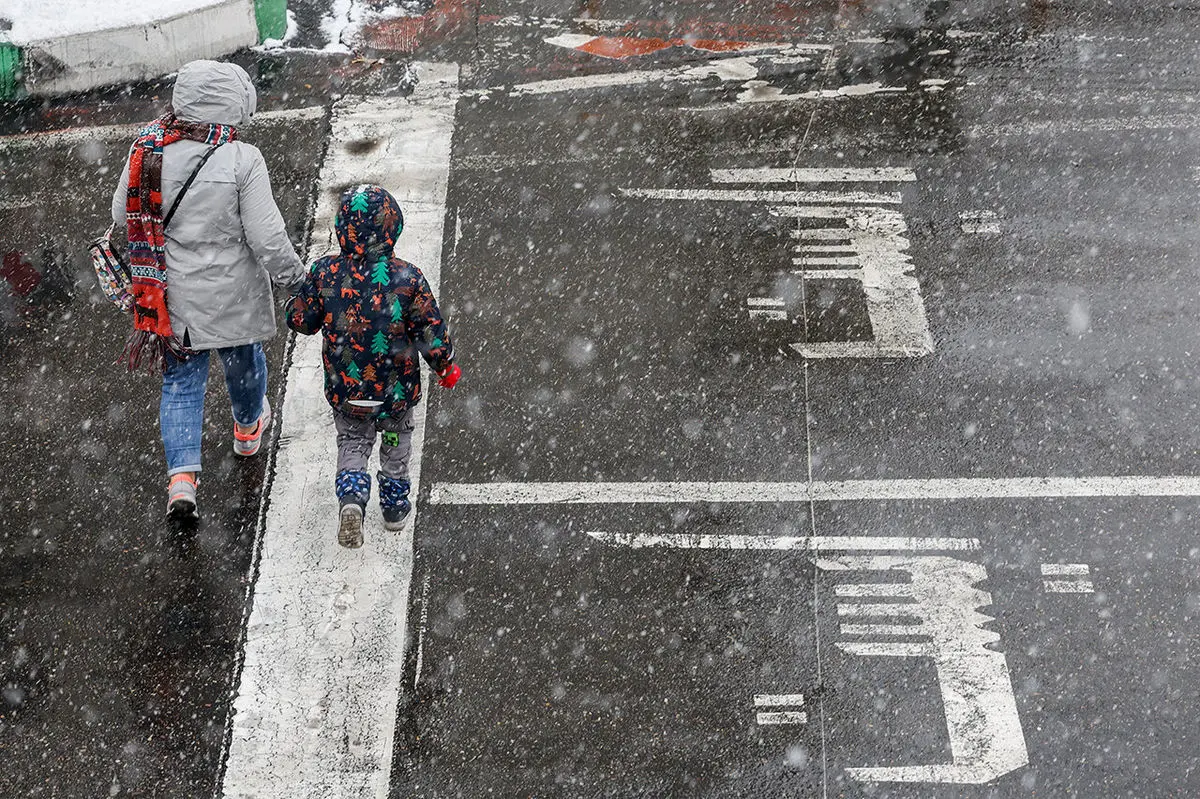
[[375, 310]]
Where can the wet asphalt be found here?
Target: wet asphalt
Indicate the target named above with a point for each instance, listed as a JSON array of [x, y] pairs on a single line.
[[606, 338]]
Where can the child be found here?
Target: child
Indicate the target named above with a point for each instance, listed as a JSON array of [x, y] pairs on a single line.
[[376, 312]]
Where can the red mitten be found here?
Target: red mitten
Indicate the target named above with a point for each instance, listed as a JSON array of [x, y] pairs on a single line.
[[449, 376]]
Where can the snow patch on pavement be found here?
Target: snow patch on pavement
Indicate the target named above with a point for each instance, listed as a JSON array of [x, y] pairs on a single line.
[[37, 20]]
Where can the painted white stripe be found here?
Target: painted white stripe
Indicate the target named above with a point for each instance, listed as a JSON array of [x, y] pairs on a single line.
[[869, 590], [725, 69], [764, 302], [1109, 125], [778, 700], [768, 314], [875, 608], [96, 133], [824, 233], [1068, 586], [765, 196], [634, 493], [842, 212], [831, 274], [885, 174], [979, 222], [740, 68], [832, 260], [315, 711], [880, 629], [1057, 569], [820, 543], [825, 248], [782, 717]]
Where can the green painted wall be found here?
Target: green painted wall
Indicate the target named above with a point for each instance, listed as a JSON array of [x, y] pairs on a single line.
[[272, 18], [10, 68]]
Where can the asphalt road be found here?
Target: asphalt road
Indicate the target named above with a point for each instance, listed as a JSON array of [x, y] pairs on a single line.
[[742, 333]]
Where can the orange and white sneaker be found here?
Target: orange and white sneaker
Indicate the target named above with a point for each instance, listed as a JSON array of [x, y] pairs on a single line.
[[247, 444], [181, 497]]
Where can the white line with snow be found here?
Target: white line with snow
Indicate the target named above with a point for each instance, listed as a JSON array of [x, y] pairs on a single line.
[[782, 717], [814, 543], [778, 700], [649, 492], [315, 711], [814, 175], [1058, 569], [765, 196]]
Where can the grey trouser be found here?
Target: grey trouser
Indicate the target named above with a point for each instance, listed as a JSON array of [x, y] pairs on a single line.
[[356, 439]]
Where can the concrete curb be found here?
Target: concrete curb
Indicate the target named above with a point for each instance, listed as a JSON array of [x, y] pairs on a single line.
[[84, 61]]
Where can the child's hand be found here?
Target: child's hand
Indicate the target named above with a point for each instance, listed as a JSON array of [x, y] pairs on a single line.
[[449, 376]]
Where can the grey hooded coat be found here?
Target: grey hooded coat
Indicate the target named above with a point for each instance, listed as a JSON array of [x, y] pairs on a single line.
[[227, 241]]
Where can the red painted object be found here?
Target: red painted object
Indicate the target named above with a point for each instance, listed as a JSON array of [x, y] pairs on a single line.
[[20, 273]]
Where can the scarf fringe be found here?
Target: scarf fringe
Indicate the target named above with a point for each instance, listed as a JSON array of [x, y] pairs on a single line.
[[147, 351]]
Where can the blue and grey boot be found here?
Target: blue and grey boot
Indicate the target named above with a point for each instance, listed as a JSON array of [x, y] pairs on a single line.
[[393, 501], [353, 490]]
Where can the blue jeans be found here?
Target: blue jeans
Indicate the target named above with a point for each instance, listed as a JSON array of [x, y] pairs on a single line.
[[181, 412]]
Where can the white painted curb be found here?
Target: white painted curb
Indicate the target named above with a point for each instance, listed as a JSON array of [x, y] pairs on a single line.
[[83, 61]]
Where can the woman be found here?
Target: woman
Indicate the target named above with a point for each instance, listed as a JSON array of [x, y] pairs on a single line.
[[219, 253]]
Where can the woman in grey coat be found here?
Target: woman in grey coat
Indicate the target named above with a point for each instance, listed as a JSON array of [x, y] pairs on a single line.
[[223, 248]]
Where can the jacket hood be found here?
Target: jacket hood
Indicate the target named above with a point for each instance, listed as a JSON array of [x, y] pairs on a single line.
[[368, 222], [214, 92]]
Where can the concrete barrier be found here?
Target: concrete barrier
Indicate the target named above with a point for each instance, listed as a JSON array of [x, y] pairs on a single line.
[[133, 51]]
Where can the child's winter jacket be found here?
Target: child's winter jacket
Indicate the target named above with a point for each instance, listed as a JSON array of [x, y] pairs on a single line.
[[375, 310]]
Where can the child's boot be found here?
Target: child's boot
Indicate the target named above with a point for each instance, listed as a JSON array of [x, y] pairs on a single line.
[[393, 501], [353, 490]]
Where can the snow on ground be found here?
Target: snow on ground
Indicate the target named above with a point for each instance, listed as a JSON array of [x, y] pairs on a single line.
[[37, 20], [346, 18]]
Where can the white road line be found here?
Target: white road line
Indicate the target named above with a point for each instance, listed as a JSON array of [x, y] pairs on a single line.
[[885, 174], [778, 700], [1068, 586], [71, 136], [979, 222], [765, 196], [635, 493], [782, 717], [876, 609], [768, 314], [1109, 125], [741, 68], [315, 711], [820, 543], [769, 308], [1059, 569]]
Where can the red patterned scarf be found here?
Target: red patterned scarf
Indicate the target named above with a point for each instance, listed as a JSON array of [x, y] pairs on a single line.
[[152, 336]]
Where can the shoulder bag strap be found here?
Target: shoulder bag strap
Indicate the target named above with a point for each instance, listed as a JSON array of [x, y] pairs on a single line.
[[188, 185]]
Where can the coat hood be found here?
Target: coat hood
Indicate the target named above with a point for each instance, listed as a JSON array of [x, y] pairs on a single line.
[[368, 222], [214, 92]]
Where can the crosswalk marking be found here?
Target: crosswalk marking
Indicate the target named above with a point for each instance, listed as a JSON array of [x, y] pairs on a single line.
[[315, 711]]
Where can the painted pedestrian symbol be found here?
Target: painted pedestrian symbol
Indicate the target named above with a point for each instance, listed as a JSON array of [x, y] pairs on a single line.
[[920, 604], [844, 235], [986, 740]]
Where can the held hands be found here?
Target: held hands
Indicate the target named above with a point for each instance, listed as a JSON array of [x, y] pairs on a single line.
[[449, 376]]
